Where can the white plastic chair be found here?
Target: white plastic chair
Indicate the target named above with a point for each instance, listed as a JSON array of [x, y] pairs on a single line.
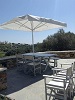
[[73, 71], [54, 61], [62, 72], [20, 62], [58, 86], [33, 63], [50, 62], [62, 68]]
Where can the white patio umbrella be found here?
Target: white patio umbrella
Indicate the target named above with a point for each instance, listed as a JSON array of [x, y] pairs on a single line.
[[32, 23]]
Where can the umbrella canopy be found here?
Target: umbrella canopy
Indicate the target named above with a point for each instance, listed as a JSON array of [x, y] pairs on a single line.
[[32, 23]]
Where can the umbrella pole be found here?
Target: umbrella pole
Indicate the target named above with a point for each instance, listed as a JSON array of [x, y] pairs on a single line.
[[32, 41]]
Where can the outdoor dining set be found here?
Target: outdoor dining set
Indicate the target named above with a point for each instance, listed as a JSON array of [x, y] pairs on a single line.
[[33, 61], [60, 85]]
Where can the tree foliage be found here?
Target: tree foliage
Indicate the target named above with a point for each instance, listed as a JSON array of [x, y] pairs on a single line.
[[58, 41]]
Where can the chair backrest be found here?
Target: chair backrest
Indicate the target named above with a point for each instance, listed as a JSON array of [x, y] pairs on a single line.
[[68, 76], [29, 58], [69, 73], [32, 59], [20, 57], [74, 66]]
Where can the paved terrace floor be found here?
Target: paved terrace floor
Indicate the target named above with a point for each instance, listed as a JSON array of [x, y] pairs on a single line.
[[28, 87]]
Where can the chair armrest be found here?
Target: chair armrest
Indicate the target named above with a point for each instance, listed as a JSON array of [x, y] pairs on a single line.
[[48, 76], [55, 77], [58, 77], [66, 64], [59, 69]]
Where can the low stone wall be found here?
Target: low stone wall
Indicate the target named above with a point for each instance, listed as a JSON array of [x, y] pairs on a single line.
[[63, 54], [3, 78], [10, 61]]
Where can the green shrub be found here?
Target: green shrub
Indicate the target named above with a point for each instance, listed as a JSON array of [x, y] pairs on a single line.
[[2, 54]]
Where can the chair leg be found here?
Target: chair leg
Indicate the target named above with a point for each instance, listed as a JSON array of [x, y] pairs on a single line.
[[37, 69], [40, 68], [34, 71], [45, 89], [50, 94], [71, 88], [65, 96]]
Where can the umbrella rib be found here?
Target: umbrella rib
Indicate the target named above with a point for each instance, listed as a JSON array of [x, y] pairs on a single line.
[[19, 23], [23, 24], [37, 26], [40, 26]]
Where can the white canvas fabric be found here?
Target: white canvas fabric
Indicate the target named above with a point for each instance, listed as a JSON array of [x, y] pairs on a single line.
[[29, 23]]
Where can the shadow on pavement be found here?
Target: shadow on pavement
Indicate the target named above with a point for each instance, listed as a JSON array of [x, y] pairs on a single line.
[[18, 80]]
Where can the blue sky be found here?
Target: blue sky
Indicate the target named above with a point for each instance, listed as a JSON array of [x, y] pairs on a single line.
[[61, 10]]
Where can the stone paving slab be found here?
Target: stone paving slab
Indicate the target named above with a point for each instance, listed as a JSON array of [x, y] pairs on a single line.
[[32, 92]]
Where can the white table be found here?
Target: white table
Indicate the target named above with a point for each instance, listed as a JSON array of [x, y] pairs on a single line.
[[40, 54]]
